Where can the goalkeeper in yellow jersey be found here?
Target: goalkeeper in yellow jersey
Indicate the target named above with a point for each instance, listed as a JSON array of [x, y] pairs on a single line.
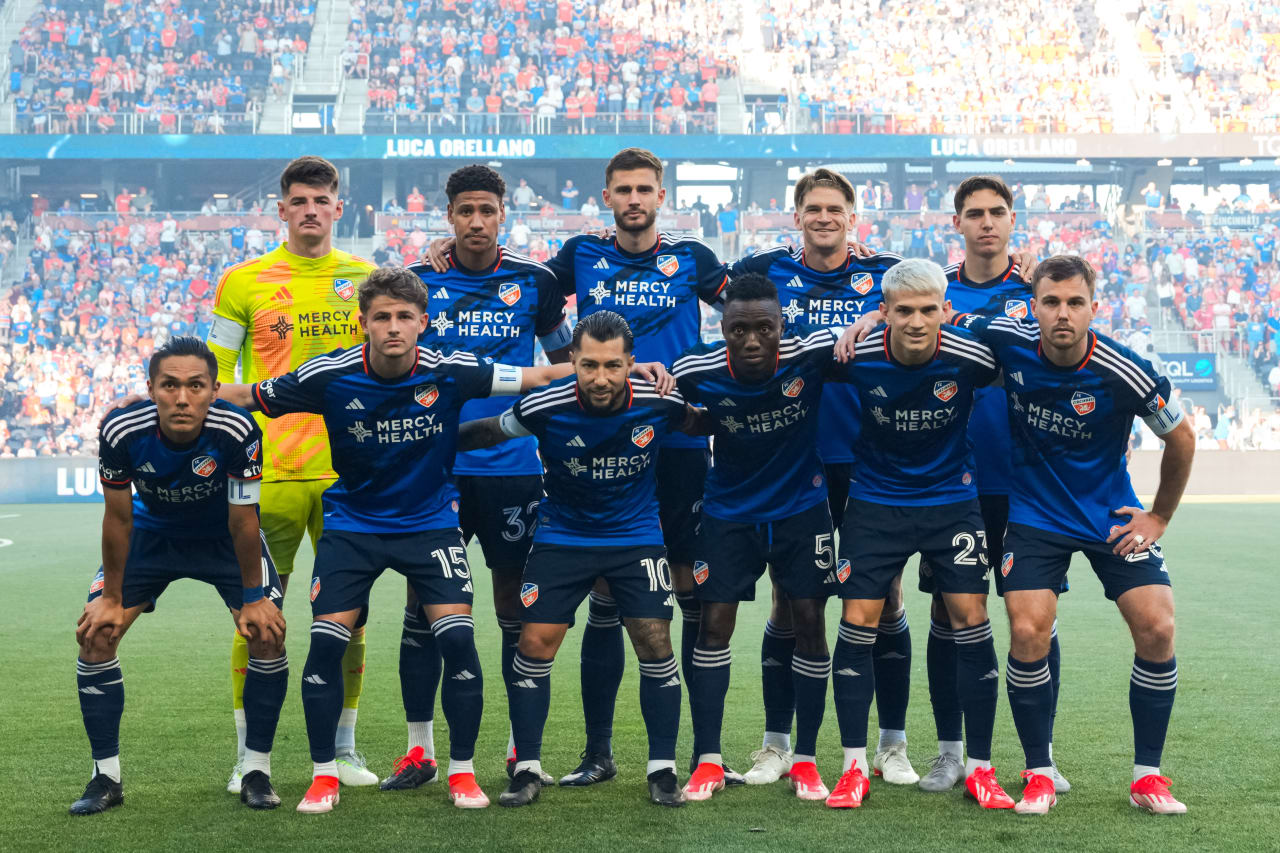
[[272, 313]]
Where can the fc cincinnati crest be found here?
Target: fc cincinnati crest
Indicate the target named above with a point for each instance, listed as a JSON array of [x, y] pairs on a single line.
[[668, 264], [98, 583], [528, 594], [1006, 565], [944, 390], [1083, 403], [315, 588], [204, 465], [862, 283], [1015, 308], [426, 395], [793, 387], [344, 287], [842, 571], [642, 435], [700, 572], [509, 293]]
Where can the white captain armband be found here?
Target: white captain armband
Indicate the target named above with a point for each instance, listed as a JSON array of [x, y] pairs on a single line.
[[511, 426], [1161, 417], [227, 334], [560, 338], [506, 380], [243, 492]]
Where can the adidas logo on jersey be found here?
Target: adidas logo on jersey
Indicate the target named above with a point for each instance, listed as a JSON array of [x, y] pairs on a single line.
[[440, 294], [465, 675], [355, 403], [315, 679], [601, 264], [795, 282], [576, 441], [526, 683], [878, 391], [1016, 376], [282, 295], [146, 468], [727, 402]]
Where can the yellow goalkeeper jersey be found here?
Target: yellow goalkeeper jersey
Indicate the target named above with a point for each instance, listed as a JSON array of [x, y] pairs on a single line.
[[271, 314]]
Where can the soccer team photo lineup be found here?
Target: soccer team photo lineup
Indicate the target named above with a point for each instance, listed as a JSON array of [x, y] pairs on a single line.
[[856, 410]]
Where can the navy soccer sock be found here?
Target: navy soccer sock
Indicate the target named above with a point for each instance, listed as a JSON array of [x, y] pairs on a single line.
[[420, 667], [462, 696], [1055, 674], [510, 642], [101, 690], [265, 685], [776, 680], [691, 623], [811, 676], [529, 698], [660, 706], [1151, 690], [978, 685], [603, 661], [1031, 702], [893, 670], [706, 697], [322, 687], [940, 659], [853, 682]]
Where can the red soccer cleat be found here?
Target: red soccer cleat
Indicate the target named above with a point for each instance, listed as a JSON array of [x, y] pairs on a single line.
[[705, 781], [852, 789], [1151, 793], [806, 781], [321, 797], [1038, 796], [465, 793], [981, 784]]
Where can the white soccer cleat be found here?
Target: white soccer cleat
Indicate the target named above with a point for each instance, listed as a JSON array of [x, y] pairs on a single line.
[[892, 763], [353, 771], [769, 765], [1060, 783], [237, 773]]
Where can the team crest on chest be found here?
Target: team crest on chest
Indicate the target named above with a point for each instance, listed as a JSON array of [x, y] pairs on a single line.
[[793, 387], [426, 395], [668, 264], [345, 288], [862, 282], [642, 435], [1083, 403], [1015, 308], [944, 390], [509, 293], [204, 465]]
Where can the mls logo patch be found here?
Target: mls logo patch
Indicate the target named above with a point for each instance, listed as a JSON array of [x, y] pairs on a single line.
[[944, 390], [509, 293], [528, 594], [1006, 565], [1083, 403], [426, 395], [668, 264], [1015, 308], [204, 465], [642, 435], [700, 572], [97, 584], [315, 588], [793, 387], [252, 450], [842, 571], [344, 287], [862, 283]]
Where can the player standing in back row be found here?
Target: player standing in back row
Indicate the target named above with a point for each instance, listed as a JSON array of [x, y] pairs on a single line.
[[271, 314]]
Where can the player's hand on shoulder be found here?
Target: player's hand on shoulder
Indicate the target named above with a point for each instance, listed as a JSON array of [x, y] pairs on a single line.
[[1142, 531], [120, 403], [1027, 263], [102, 618], [656, 372], [604, 232], [854, 335], [437, 249], [261, 620], [861, 250]]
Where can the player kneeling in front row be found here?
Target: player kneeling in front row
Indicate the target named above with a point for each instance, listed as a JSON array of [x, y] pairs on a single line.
[[391, 410], [1072, 397], [196, 464], [598, 436], [913, 491]]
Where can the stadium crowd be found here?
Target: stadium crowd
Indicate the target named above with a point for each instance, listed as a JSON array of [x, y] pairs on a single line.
[[202, 66]]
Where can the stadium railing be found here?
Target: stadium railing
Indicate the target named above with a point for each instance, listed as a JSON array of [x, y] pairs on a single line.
[[133, 123]]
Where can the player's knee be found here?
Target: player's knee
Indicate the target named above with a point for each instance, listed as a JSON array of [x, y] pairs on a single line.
[[716, 630], [266, 649], [539, 646], [1028, 636], [938, 611], [97, 649], [1153, 638], [651, 638], [893, 601]]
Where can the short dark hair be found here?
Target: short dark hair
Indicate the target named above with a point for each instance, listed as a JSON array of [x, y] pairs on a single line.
[[183, 345], [750, 286], [397, 282], [603, 326], [310, 171], [475, 178], [633, 158], [969, 186], [1061, 268], [822, 178]]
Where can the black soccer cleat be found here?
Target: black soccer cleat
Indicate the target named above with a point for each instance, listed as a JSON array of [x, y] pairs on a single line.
[[522, 791], [594, 768], [256, 791], [664, 789], [411, 771], [100, 794]]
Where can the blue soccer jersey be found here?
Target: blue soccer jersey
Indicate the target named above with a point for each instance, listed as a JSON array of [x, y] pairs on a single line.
[[1006, 295], [656, 292], [600, 469], [1071, 426], [825, 299], [766, 465], [181, 490], [913, 448], [392, 440], [496, 315]]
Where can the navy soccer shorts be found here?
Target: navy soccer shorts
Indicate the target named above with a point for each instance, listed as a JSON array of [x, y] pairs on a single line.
[[733, 556], [682, 473], [558, 578], [1038, 559], [156, 560], [877, 540], [347, 563], [501, 512]]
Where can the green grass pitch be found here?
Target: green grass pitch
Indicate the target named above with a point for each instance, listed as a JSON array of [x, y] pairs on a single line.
[[178, 742]]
